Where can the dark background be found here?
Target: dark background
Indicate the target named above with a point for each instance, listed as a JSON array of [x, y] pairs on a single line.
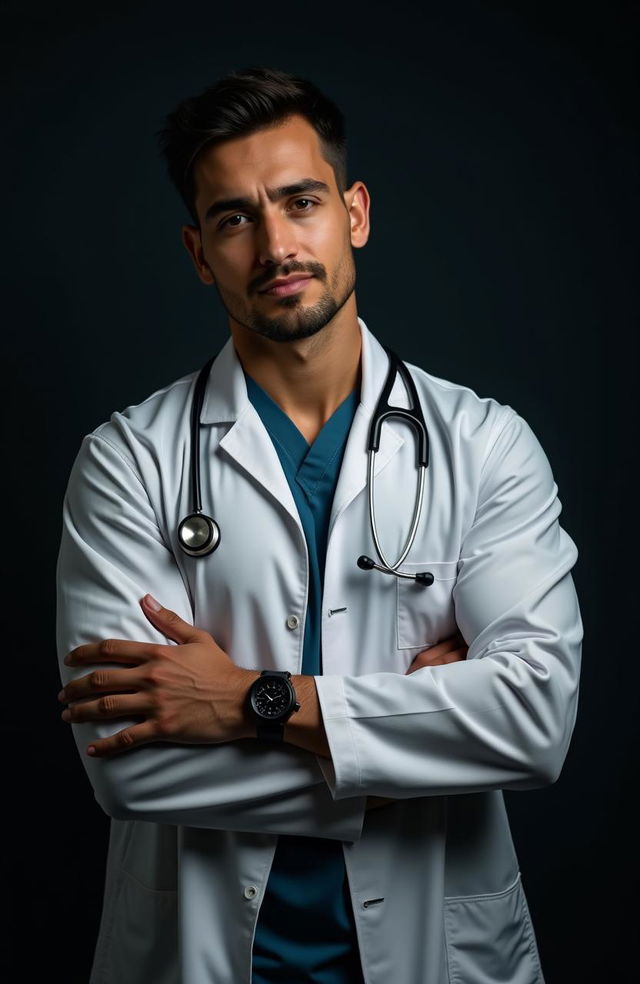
[[499, 143]]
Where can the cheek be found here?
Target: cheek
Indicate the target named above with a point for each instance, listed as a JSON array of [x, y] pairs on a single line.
[[236, 258], [233, 272], [345, 268], [333, 250], [327, 237]]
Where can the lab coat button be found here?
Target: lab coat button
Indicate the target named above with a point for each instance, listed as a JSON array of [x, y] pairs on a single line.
[[250, 892], [293, 622]]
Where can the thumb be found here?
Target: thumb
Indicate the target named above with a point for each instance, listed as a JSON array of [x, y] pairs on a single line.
[[167, 621]]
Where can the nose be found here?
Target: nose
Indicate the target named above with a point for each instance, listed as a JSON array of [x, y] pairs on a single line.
[[276, 240]]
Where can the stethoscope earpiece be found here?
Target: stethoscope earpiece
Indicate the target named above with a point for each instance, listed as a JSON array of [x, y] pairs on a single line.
[[365, 563], [425, 578]]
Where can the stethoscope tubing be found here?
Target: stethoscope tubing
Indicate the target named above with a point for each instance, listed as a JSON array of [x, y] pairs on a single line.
[[392, 568], [196, 410], [191, 528], [415, 417]]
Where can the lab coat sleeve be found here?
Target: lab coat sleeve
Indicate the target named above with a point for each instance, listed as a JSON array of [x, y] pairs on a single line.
[[111, 553], [504, 716]]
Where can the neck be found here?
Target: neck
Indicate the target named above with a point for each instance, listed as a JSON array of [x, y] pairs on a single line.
[[308, 378]]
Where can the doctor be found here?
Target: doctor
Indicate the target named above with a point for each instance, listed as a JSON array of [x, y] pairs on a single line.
[[340, 817]]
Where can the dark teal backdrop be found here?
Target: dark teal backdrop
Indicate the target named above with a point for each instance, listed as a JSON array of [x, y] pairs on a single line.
[[499, 142]]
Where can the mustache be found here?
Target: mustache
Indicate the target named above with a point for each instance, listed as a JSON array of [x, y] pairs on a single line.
[[317, 271]]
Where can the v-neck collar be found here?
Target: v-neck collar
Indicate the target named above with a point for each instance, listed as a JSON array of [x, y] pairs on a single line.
[[308, 460]]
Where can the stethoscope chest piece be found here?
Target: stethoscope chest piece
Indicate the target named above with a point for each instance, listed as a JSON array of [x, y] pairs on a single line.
[[198, 534]]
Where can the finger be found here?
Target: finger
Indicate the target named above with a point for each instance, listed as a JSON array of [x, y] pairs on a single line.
[[452, 656], [456, 656], [169, 622], [123, 741], [102, 681], [108, 706], [416, 666], [111, 651], [434, 656]]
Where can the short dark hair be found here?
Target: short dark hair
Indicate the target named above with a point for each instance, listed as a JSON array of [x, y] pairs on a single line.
[[240, 103]]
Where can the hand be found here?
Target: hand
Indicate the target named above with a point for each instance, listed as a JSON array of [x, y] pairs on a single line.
[[191, 693], [450, 651]]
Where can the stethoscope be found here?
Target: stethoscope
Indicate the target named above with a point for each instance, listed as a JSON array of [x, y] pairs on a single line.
[[199, 534]]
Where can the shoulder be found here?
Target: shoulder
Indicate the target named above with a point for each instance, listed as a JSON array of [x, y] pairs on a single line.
[[460, 411], [493, 448], [489, 439], [137, 432]]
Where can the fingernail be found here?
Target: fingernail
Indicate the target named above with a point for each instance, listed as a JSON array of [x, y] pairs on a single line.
[[152, 603]]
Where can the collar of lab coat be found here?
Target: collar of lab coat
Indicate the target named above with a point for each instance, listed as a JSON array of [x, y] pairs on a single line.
[[249, 444]]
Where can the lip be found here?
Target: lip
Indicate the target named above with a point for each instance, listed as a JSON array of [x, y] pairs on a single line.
[[289, 286]]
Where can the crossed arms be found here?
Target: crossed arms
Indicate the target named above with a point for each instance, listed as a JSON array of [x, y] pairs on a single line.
[[501, 718]]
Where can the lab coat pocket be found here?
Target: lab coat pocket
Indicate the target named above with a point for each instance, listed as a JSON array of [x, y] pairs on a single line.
[[138, 932], [490, 938], [425, 614]]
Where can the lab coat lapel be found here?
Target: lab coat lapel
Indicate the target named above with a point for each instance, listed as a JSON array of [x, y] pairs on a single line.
[[247, 441], [250, 445]]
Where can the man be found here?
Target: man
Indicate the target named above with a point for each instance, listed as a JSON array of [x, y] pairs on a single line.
[[371, 841]]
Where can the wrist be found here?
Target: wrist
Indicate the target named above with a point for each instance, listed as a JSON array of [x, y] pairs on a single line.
[[306, 728], [246, 727]]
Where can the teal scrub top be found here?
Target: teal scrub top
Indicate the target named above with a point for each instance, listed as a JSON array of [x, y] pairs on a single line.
[[305, 932]]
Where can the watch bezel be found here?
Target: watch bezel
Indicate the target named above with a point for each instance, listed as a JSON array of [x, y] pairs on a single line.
[[254, 693]]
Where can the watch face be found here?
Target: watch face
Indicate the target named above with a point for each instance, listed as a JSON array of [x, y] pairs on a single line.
[[272, 698]]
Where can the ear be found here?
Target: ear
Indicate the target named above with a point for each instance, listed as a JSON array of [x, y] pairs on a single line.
[[358, 205], [193, 244]]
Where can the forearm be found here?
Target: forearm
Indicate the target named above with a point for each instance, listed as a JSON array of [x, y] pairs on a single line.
[[111, 553]]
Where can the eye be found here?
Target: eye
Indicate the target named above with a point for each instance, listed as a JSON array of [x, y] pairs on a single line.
[[239, 215], [226, 221], [305, 200]]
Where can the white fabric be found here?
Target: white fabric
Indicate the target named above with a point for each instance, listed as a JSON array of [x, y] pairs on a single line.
[[434, 878]]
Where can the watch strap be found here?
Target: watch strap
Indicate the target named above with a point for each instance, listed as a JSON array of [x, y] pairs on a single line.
[[270, 730]]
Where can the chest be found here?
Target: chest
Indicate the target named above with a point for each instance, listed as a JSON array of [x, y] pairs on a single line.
[[252, 592]]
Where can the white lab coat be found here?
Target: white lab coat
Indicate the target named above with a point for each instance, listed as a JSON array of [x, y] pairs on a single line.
[[434, 878]]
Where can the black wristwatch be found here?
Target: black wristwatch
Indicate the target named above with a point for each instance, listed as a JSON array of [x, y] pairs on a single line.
[[271, 700]]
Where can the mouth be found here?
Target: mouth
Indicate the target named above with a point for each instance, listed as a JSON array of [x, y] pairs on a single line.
[[291, 287]]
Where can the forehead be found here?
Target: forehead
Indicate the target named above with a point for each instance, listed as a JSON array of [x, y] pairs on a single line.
[[268, 157]]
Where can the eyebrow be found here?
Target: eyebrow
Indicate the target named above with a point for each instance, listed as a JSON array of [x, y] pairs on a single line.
[[273, 194]]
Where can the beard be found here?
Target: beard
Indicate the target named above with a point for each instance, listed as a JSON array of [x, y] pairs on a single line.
[[293, 319]]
